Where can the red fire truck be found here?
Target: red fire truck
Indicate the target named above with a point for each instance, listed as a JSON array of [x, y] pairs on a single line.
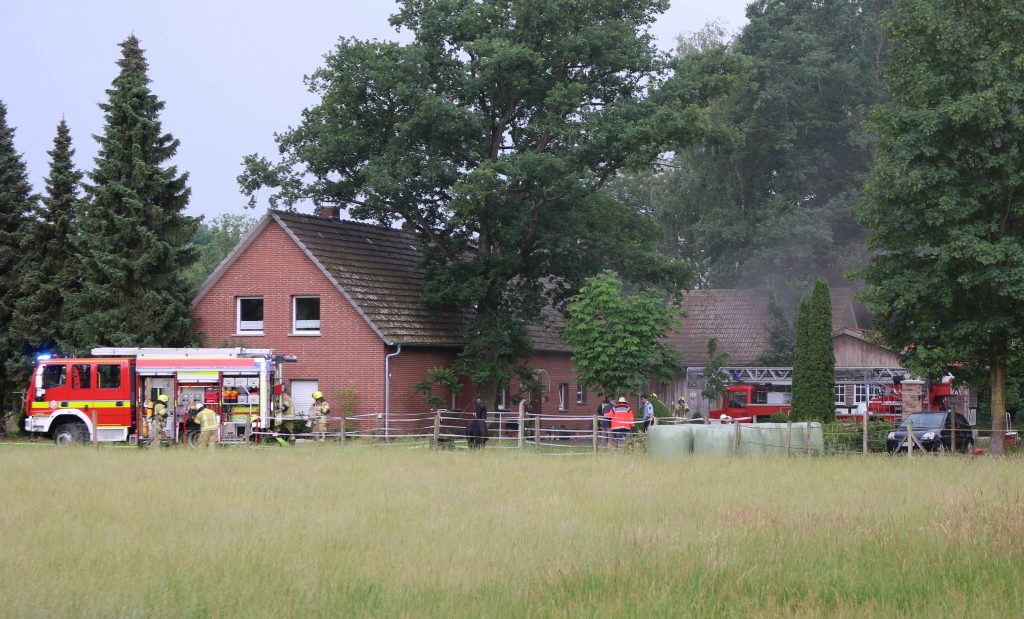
[[115, 386], [745, 402]]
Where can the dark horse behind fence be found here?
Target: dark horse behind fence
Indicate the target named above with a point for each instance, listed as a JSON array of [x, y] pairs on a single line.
[[476, 432]]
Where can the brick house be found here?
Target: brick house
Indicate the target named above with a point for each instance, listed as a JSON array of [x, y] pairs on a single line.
[[345, 299]]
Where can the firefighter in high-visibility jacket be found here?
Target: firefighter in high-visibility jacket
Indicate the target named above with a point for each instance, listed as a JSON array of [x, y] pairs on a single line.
[[157, 421], [286, 414], [209, 426], [318, 414]]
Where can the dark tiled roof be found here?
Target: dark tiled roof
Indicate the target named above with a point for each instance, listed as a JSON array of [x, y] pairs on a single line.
[[379, 268], [739, 320]]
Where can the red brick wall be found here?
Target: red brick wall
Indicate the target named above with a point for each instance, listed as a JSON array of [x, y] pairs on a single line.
[[346, 353]]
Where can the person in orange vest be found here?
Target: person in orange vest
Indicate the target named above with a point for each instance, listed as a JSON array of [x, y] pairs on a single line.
[[622, 420]]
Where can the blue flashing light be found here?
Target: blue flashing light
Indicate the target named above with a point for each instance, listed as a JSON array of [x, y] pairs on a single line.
[[44, 357]]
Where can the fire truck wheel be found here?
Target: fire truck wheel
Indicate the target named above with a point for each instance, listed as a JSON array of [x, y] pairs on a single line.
[[71, 433]]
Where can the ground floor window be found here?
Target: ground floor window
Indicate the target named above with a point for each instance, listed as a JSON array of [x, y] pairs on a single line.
[[840, 394]]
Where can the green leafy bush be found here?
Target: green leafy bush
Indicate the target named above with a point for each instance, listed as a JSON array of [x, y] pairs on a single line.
[[844, 437]]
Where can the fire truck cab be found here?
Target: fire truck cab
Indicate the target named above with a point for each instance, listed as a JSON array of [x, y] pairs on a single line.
[[746, 402], [107, 397]]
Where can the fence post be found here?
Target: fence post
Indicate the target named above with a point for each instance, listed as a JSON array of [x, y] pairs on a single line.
[[952, 434], [594, 428], [789, 434], [735, 436], [865, 431], [910, 439], [95, 427], [437, 427], [536, 430], [522, 427]]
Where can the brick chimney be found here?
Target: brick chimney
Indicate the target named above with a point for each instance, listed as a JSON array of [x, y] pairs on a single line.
[[330, 212]]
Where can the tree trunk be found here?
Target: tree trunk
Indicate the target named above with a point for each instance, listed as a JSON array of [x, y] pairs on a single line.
[[997, 375]]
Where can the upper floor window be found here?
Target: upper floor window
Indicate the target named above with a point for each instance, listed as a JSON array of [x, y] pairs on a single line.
[[563, 391], [581, 394], [306, 315], [840, 394], [250, 315]]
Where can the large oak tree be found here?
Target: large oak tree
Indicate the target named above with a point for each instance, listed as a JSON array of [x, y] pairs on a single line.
[[492, 135]]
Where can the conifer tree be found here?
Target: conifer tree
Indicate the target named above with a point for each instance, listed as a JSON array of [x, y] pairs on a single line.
[[814, 360], [822, 352], [802, 371], [134, 237], [16, 203], [41, 321]]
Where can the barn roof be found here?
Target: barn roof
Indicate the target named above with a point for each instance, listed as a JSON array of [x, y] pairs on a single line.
[[739, 319]]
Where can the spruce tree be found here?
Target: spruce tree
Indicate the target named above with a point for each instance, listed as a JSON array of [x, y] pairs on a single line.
[[134, 237], [16, 203], [41, 321]]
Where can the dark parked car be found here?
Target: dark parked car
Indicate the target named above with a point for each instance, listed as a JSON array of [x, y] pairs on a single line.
[[934, 430]]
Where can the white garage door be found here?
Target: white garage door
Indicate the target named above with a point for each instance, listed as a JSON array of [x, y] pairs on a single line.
[[302, 395]]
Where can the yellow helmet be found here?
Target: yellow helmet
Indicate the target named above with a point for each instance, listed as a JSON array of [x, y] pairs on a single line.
[[318, 395], [163, 398]]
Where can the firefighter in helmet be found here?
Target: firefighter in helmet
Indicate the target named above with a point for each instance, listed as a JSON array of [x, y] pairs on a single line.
[[286, 413], [209, 426], [158, 420], [318, 414]]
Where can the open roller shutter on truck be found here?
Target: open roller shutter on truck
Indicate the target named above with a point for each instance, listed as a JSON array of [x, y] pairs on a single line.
[[302, 396]]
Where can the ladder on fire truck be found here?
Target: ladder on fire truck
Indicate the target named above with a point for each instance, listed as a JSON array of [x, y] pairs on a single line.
[[784, 376]]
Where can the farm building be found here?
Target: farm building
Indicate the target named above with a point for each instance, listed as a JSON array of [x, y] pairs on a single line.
[[739, 320], [345, 299]]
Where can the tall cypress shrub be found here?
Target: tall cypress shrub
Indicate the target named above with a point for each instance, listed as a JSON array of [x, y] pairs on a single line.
[[802, 370], [822, 353], [134, 237]]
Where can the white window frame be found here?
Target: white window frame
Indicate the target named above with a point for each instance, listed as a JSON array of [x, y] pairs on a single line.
[[581, 394], [563, 393], [860, 393], [238, 317], [502, 393], [840, 394], [296, 330]]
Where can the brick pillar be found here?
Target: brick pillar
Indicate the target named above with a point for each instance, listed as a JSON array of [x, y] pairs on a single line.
[[912, 397]]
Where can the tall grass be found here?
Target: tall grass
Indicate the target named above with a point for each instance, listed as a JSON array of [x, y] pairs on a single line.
[[342, 531]]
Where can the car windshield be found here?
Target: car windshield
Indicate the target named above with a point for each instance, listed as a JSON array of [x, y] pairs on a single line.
[[925, 420]]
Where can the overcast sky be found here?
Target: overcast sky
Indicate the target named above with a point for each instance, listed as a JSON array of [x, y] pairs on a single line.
[[229, 71]]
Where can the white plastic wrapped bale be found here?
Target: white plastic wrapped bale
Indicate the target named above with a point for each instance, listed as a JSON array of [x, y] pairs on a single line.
[[713, 440], [670, 440], [752, 439], [815, 438]]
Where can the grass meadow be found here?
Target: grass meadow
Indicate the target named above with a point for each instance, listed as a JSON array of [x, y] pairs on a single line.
[[328, 531]]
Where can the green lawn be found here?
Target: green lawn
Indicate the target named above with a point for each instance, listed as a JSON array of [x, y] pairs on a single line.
[[336, 531]]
